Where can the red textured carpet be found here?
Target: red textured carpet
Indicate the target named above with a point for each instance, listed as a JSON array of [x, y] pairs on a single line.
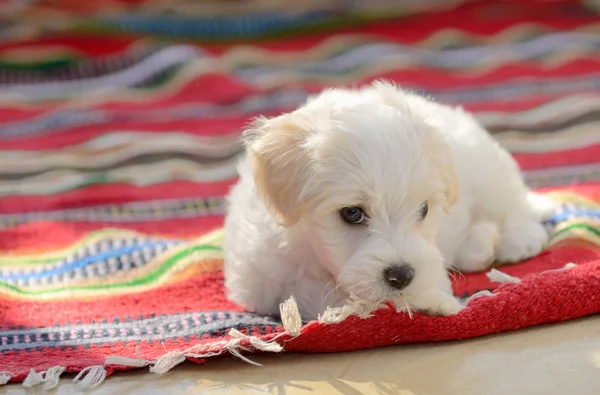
[[117, 148]]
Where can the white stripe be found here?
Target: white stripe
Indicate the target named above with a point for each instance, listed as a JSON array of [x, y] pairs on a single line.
[[56, 181], [154, 64]]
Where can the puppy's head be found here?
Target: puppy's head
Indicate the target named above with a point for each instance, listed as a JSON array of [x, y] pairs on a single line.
[[364, 176]]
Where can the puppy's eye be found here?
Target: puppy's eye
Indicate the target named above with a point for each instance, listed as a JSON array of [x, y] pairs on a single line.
[[423, 211], [353, 215]]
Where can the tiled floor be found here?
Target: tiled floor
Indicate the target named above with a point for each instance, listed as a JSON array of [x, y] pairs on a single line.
[[559, 359]]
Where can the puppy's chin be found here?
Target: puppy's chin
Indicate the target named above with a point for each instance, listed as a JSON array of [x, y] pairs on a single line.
[[365, 279]]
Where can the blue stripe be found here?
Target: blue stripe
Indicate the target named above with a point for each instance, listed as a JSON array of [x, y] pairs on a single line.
[[563, 216], [83, 262]]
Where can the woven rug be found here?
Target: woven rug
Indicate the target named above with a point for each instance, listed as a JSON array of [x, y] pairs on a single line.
[[118, 142]]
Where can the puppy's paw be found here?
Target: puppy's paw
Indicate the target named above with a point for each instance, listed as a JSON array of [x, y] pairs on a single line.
[[436, 303], [521, 240], [446, 307], [541, 206], [478, 251]]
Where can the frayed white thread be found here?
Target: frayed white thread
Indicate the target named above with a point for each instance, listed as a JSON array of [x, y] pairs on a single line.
[[290, 317], [209, 350], [167, 362], [358, 307], [32, 379], [51, 377], [262, 345], [481, 294], [5, 377], [292, 323], [403, 306], [500, 277], [562, 269], [235, 350], [90, 377], [568, 266], [124, 361], [234, 346]]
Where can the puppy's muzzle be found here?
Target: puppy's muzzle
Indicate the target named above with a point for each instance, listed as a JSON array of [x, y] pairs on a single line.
[[399, 277]]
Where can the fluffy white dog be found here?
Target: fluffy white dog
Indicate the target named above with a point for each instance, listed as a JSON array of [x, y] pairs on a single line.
[[373, 193]]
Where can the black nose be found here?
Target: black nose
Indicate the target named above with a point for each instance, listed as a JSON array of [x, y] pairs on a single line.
[[399, 276]]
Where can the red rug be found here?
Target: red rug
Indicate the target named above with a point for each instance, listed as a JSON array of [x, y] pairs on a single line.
[[116, 152]]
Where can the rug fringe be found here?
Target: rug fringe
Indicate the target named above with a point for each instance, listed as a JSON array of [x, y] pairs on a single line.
[[403, 305], [33, 378], [167, 362], [5, 377], [234, 346], [292, 325], [90, 377], [49, 378], [124, 361], [290, 316], [497, 276], [52, 376], [481, 294], [500, 277], [358, 307]]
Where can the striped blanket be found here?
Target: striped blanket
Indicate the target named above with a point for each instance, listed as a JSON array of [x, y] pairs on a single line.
[[118, 143]]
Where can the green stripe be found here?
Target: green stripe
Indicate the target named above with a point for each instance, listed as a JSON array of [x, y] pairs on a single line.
[[149, 278], [48, 64], [587, 227]]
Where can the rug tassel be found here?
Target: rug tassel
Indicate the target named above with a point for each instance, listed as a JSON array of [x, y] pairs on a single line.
[[290, 316], [124, 361], [5, 377], [52, 376], [167, 362], [497, 276], [90, 377], [358, 307], [32, 379]]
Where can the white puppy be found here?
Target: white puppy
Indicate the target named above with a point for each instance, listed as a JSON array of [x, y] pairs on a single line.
[[372, 193]]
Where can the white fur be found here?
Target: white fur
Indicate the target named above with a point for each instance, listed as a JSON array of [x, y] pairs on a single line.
[[388, 151]]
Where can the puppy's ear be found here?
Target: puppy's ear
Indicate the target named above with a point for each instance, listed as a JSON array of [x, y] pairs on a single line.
[[280, 158], [450, 178], [443, 161]]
